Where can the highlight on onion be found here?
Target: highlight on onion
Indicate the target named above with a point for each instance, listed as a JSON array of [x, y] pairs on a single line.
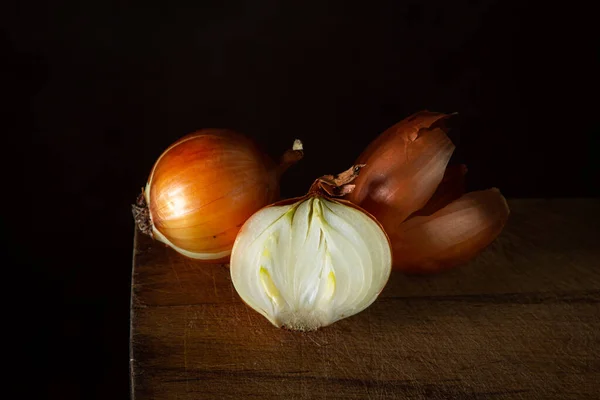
[[308, 262], [420, 201], [203, 188]]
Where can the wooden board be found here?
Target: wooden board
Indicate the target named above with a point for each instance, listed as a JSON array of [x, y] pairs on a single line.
[[522, 320]]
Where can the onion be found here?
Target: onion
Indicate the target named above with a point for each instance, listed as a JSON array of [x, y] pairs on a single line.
[[420, 201], [204, 187], [308, 262]]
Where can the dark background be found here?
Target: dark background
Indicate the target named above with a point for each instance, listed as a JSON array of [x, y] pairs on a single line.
[[94, 91]]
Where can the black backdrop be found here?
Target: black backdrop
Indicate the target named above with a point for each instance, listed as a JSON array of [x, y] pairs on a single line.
[[94, 91]]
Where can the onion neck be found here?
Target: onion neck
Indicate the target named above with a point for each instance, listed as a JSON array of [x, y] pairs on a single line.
[[141, 214], [289, 158], [337, 185]]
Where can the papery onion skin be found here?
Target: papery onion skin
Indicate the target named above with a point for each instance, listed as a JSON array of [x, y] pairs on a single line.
[[451, 187], [282, 274], [451, 236], [409, 188], [404, 166], [204, 187]]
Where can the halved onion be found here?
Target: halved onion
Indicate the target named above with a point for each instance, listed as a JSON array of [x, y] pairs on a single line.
[[306, 263]]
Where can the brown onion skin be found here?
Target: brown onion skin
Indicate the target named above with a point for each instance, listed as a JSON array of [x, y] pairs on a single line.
[[381, 155], [449, 242], [205, 186], [419, 200], [451, 187]]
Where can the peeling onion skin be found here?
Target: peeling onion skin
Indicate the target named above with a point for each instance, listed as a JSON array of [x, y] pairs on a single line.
[[450, 188], [404, 166], [451, 236], [308, 262], [420, 201], [204, 187]]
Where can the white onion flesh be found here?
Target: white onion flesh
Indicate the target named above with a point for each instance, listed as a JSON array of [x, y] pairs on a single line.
[[309, 264]]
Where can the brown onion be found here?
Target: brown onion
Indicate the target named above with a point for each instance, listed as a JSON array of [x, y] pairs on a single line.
[[203, 188], [419, 201]]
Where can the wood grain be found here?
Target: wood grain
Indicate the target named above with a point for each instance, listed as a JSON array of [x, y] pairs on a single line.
[[522, 320]]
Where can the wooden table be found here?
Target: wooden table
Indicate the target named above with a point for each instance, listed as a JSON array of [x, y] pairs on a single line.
[[522, 320]]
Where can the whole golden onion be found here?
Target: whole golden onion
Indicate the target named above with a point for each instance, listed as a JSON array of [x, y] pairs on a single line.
[[204, 187]]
